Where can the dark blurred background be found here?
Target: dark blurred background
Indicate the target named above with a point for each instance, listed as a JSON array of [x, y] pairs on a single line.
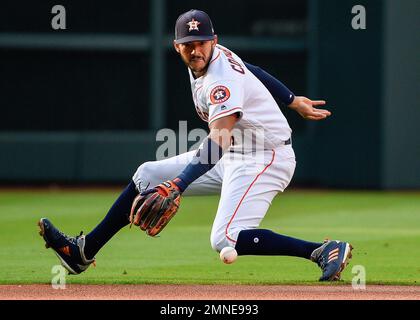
[[82, 105]]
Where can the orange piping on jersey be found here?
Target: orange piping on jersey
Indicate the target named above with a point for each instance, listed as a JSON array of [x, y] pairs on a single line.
[[200, 113], [218, 55], [239, 204], [196, 90], [223, 113]]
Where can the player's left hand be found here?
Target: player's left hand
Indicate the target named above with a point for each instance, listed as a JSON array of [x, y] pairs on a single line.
[[306, 108], [154, 208]]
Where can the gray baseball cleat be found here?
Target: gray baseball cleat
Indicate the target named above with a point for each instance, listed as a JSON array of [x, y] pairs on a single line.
[[70, 250], [333, 256]]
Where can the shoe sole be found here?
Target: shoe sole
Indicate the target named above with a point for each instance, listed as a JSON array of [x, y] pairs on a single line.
[[346, 258], [63, 263]]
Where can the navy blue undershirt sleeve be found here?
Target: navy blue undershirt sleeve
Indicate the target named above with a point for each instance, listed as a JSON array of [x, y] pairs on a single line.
[[204, 160], [276, 87]]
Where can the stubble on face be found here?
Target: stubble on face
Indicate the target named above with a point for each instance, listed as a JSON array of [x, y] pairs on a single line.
[[198, 63]]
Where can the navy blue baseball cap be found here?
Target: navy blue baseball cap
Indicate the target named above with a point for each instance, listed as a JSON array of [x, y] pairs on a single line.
[[193, 25]]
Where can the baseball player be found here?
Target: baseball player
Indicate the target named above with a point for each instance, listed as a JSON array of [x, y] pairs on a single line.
[[247, 158]]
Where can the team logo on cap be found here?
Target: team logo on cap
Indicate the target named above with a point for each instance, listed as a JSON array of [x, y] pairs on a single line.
[[193, 24], [219, 94]]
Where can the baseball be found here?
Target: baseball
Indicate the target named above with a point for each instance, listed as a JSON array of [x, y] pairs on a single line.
[[228, 255]]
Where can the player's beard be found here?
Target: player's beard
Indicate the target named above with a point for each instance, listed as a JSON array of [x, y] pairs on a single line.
[[199, 71]]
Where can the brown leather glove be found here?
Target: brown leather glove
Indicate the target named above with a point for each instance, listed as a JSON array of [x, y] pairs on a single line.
[[154, 208]]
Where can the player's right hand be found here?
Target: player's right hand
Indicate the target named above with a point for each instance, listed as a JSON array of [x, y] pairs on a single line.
[[305, 107]]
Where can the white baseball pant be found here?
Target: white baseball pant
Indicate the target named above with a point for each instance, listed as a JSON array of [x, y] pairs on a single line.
[[246, 187]]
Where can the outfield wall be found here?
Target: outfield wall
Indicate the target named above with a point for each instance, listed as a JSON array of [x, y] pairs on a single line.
[[83, 105]]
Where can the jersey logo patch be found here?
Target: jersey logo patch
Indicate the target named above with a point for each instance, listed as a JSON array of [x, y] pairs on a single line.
[[193, 24], [219, 94]]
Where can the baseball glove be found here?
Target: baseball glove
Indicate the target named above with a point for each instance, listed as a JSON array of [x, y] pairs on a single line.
[[154, 208]]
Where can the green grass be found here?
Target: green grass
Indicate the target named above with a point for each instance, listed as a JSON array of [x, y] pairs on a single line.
[[384, 228]]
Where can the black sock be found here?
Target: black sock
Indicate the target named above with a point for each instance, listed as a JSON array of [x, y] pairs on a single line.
[[117, 218], [266, 242]]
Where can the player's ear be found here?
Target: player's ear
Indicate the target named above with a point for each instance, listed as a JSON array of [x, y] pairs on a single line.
[[176, 46], [215, 40]]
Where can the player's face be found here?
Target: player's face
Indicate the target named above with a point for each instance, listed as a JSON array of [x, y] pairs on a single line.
[[196, 55]]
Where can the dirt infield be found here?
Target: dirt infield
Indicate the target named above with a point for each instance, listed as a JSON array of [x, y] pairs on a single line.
[[207, 292]]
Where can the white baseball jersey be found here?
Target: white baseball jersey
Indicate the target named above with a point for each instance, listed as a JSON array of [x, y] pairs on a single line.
[[228, 87], [246, 186]]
